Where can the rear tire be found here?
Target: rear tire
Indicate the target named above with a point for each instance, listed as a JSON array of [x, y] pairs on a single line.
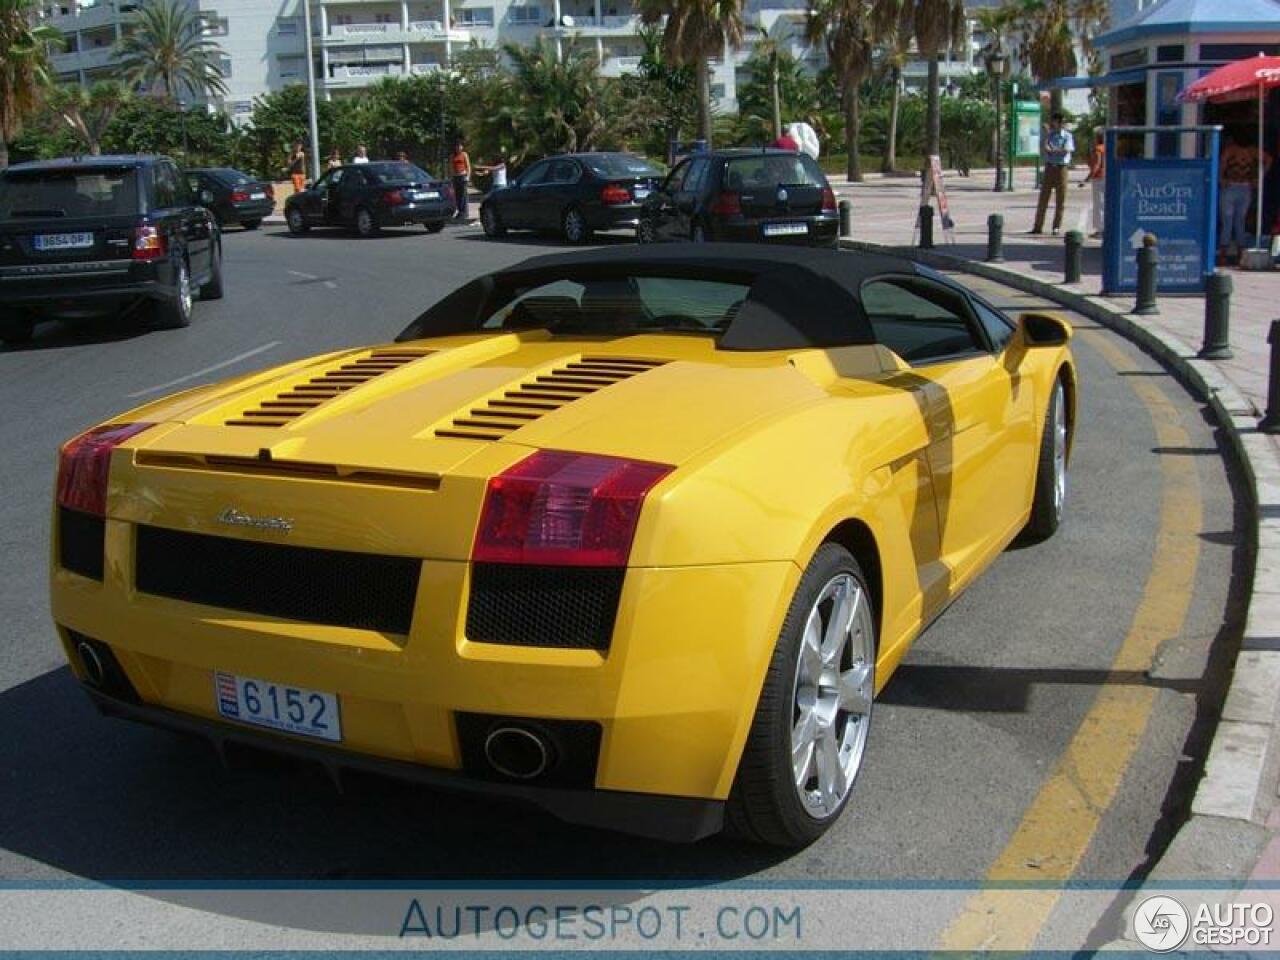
[[698, 234], [1051, 469], [366, 224], [573, 226], [491, 222], [17, 331], [250, 224], [296, 221], [809, 734], [175, 313], [212, 290], [435, 226]]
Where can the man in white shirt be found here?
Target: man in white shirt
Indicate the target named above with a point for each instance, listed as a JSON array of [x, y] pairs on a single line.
[[1058, 146], [362, 154]]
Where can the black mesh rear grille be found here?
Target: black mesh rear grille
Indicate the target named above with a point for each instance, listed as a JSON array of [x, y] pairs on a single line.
[[81, 539], [334, 587], [532, 606]]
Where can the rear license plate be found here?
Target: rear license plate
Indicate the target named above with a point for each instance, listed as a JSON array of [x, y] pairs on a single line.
[[265, 703], [258, 195], [785, 229], [63, 241], [427, 195], [640, 192]]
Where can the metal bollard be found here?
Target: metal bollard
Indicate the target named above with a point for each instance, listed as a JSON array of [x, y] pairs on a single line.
[[1217, 317], [1270, 423], [1145, 305], [926, 228], [995, 238], [1074, 242], [846, 218]]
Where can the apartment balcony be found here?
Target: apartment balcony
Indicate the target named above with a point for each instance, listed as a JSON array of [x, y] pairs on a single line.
[[361, 75], [419, 69], [618, 66], [420, 31], [94, 58], [601, 26], [87, 16]]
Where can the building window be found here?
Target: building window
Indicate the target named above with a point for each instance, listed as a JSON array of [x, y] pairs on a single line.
[[1169, 53], [214, 26], [526, 14], [385, 18], [717, 91], [242, 108], [224, 66], [475, 17], [290, 68], [287, 27], [1237, 51]]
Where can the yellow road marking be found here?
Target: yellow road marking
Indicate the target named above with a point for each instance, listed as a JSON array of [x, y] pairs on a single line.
[[1057, 828]]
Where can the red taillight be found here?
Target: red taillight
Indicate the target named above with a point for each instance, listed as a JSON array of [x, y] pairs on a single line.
[[394, 197], [828, 199], [565, 509], [239, 196], [727, 204], [615, 193], [83, 465], [148, 243]]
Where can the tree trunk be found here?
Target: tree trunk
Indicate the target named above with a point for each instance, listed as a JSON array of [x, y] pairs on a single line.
[[933, 115], [852, 132], [890, 161], [4, 153], [1055, 101], [703, 77], [777, 100]]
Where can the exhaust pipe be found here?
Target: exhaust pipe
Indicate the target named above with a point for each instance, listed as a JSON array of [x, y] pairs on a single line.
[[94, 671], [517, 752]]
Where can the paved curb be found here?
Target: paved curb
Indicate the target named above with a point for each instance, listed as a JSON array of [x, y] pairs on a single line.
[[1240, 772]]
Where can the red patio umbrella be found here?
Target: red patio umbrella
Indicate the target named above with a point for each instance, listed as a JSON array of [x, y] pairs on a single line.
[[1242, 80]]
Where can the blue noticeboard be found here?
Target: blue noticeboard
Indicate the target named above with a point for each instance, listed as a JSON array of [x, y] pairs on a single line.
[[1175, 199]]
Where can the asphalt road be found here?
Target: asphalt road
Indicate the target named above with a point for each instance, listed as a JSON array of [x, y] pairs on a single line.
[[965, 737]]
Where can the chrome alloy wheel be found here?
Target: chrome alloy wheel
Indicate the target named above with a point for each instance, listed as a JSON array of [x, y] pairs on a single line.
[[831, 700], [1059, 450], [575, 227], [185, 296]]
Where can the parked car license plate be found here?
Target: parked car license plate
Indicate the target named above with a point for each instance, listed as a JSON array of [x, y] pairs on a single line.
[[265, 703], [785, 229], [258, 195], [63, 241], [427, 195], [640, 192]]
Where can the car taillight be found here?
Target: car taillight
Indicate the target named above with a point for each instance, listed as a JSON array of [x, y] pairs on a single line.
[[727, 204], [84, 463], [615, 193], [394, 197], [565, 509], [148, 243], [828, 199], [239, 196]]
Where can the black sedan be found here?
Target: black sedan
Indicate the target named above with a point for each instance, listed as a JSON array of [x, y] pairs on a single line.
[[370, 196], [756, 196], [572, 195], [232, 196]]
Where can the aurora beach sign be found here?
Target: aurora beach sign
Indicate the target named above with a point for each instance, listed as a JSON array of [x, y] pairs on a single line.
[[1174, 198]]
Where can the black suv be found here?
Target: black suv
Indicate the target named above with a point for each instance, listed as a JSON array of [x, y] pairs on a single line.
[[370, 196], [757, 196], [94, 236]]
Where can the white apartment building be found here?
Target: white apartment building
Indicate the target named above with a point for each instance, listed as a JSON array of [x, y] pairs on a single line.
[[357, 42]]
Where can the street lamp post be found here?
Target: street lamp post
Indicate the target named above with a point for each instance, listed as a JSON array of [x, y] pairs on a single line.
[[995, 66], [182, 122], [313, 124]]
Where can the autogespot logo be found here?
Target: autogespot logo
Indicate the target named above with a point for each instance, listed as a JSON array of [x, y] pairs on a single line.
[[1161, 924]]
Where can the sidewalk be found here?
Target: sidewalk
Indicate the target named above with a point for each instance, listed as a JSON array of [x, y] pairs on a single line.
[[1233, 833]]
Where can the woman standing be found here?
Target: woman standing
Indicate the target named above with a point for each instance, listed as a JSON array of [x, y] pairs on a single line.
[[1097, 180], [298, 167], [460, 165], [335, 159]]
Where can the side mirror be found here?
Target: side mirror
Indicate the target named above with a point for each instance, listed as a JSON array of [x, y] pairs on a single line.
[[1043, 329], [206, 197]]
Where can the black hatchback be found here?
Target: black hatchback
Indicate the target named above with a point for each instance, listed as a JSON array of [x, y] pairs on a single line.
[[754, 196], [370, 196], [233, 196], [573, 194]]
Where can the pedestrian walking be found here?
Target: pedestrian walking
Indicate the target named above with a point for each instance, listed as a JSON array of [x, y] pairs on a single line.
[[1237, 184], [1096, 179], [1058, 147], [297, 167], [362, 154], [335, 159], [460, 165]]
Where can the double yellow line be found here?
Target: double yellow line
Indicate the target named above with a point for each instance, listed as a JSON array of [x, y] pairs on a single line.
[[1055, 831]]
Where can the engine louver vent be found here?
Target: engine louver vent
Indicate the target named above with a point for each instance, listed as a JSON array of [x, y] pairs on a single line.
[[541, 395], [306, 396]]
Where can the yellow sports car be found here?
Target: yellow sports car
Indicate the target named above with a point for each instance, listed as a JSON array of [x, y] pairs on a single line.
[[633, 534]]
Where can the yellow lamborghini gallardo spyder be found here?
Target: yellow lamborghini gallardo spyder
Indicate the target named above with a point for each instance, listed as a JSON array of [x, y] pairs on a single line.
[[635, 535]]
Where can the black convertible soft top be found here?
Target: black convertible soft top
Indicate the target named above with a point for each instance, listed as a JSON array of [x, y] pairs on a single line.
[[797, 298]]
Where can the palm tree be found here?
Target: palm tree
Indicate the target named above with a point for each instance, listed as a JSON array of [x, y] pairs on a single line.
[[844, 28], [88, 112], [768, 49], [166, 50], [894, 28], [556, 104], [994, 22], [24, 68], [936, 25], [1048, 41], [696, 31]]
